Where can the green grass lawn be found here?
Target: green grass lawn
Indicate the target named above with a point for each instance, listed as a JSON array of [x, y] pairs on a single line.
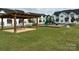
[[43, 39]]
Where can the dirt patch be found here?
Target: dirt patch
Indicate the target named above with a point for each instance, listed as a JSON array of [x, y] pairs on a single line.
[[20, 30]]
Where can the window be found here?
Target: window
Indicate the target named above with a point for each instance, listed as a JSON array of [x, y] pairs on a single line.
[[9, 21], [61, 15], [77, 19], [72, 15], [21, 20], [43, 20], [40, 20], [66, 19], [72, 19], [57, 20], [61, 20], [30, 21]]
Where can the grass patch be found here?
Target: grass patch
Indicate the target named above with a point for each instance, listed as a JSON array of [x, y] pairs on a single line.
[[43, 39]]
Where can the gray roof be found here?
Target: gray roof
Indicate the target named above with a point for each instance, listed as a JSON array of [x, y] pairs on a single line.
[[10, 10], [67, 11]]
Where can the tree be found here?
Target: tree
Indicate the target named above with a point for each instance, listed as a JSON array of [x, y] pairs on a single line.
[[47, 19]]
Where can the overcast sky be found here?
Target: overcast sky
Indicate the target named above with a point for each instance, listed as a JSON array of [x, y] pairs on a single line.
[[42, 10]]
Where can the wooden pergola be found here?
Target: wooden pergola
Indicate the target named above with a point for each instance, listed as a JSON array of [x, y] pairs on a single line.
[[19, 15]]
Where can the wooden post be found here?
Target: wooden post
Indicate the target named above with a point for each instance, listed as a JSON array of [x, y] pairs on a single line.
[[23, 23], [2, 24], [15, 23], [37, 22]]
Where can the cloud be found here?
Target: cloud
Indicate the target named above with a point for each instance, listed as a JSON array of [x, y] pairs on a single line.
[[42, 10]]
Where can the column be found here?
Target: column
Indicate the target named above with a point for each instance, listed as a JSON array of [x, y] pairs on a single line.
[[37, 22], [15, 23], [2, 23], [23, 23]]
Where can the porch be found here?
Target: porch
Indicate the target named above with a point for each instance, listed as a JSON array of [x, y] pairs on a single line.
[[19, 16]]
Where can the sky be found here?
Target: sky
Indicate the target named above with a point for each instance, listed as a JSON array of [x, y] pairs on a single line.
[[47, 11]]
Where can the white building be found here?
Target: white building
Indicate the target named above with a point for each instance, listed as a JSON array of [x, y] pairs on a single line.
[[67, 16], [9, 22]]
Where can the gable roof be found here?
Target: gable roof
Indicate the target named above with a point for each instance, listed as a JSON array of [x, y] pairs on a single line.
[[10, 10], [36, 13], [9, 13], [20, 13], [67, 11]]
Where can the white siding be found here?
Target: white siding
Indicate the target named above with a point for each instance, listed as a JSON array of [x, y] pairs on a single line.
[[17, 21], [62, 17]]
